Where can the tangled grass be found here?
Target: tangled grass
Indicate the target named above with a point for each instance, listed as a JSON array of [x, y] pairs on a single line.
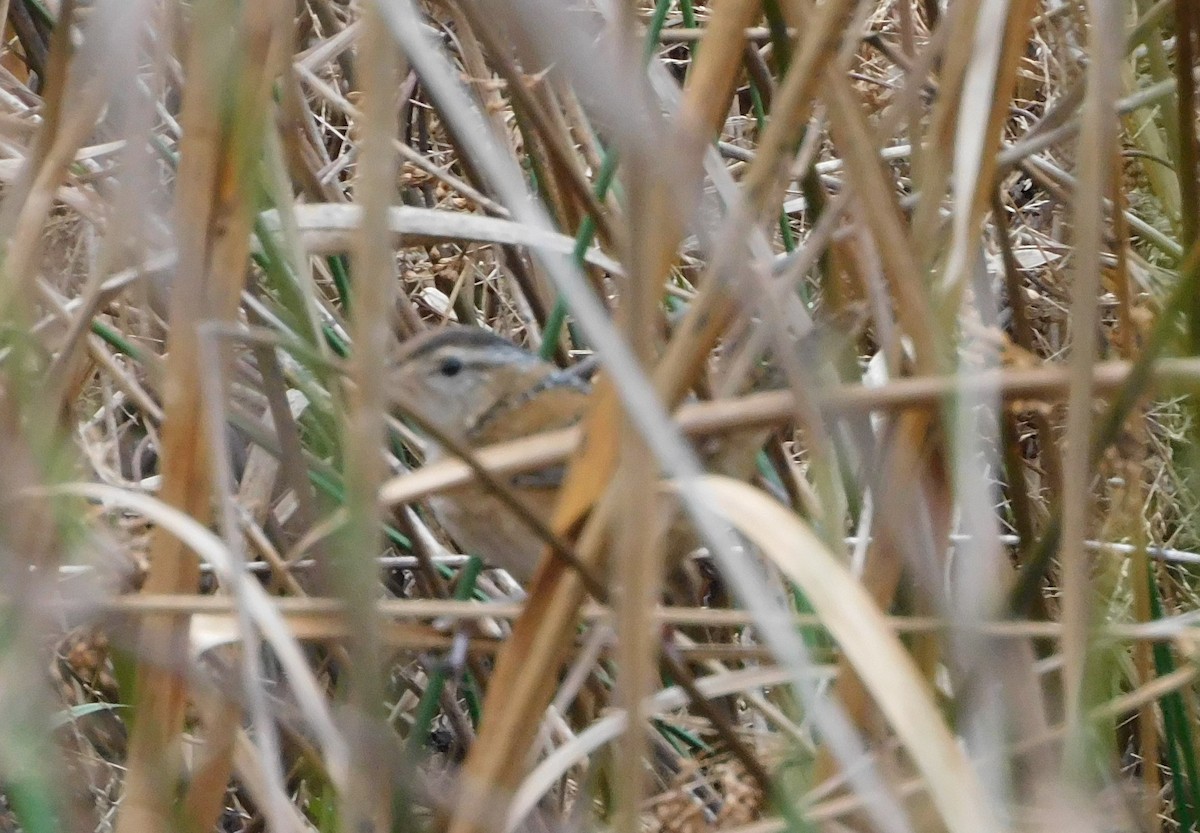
[[926, 271]]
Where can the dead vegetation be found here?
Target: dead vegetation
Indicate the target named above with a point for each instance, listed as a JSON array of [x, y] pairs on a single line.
[[914, 281]]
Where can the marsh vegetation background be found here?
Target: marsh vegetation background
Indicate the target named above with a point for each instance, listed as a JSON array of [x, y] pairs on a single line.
[[894, 301]]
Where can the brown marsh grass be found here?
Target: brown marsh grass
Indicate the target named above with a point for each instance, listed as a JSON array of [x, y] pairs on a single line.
[[926, 269]]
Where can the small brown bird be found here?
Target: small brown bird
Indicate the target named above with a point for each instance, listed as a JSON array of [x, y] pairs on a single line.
[[478, 388]]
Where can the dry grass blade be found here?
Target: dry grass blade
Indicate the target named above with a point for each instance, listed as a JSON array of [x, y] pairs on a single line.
[[883, 216], [792, 102], [70, 116], [329, 229], [987, 88], [656, 205], [1043, 384], [216, 213], [1097, 145], [881, 662], [712, 79], [934, 164], [366, 803]]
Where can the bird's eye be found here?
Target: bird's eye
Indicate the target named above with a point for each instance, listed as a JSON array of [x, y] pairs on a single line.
[[450, 366]]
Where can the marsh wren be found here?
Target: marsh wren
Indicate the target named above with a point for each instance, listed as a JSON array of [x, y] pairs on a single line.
[[477, 388]]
